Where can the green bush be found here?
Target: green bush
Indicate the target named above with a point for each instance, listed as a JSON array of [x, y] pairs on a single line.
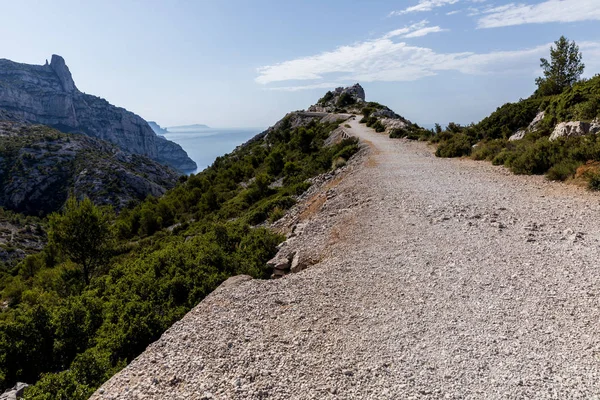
[[534, 158], [562, 171], [458, 146], [594, 181], [378, 126], [345, 99], [488, 150]]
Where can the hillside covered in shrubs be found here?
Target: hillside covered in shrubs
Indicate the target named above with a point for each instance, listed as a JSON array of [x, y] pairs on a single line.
[[552, 132], [106, 286]]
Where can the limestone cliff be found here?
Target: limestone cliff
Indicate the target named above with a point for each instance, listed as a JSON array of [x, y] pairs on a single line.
[[46, 94]]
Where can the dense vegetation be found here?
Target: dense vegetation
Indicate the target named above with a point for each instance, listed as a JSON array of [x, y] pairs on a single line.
[[562, 97], [106, 286]]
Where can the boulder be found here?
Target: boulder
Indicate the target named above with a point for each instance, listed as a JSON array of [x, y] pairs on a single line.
[[570, 129], [15, 392], [533, 126], [518, 135], [299, 263]]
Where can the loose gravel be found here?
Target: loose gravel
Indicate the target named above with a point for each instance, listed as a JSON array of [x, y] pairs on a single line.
[[441, 279]]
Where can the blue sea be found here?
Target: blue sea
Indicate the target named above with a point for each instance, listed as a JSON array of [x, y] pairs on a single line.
[[204, 145]]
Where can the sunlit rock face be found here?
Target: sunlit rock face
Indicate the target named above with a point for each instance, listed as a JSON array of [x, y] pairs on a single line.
[[46, 94]]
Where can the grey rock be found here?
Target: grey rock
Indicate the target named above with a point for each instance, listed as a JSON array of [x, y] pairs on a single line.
[[533, 126], [570, 129], [518, 135], [299, 263], [15, 392], [46, 94], [594, 126]]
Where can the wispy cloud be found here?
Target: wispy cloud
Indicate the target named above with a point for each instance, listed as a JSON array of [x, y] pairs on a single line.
[[453, 12], [383, 59], [544, 12], [415, 30], [424, 5]]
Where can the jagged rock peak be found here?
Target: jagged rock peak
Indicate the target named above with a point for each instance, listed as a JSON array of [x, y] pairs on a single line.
[[59, 67], [355, 91]]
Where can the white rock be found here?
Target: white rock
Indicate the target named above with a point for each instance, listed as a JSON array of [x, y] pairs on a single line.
[[518, 135], [570, 129]]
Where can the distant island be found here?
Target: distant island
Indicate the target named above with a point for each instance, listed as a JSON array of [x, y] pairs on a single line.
[[184, 128]]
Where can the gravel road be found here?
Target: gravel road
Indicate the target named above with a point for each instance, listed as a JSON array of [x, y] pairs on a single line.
[[452, 280]]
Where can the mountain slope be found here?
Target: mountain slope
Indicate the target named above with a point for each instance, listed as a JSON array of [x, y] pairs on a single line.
[[40, 166], [66, 335], [46, 94]]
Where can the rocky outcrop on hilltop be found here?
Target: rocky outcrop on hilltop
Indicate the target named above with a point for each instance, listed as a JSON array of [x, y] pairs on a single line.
[[347, 99], [46, 94], [40, 166]]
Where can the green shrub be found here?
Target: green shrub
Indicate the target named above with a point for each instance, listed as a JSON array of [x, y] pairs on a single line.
[[366, 112], [398, 133], [562, 171], [594, 181], [488, 150], [276, 214], [338, 163], [345, 99], [459, 145], [323, 100], [534, 158], [378, 126]]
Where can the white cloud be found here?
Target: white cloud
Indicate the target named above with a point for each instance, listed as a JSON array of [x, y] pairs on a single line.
[[415, 30], [453, 12], [544, 12], [383, 59], [424, 31], [424, 5]]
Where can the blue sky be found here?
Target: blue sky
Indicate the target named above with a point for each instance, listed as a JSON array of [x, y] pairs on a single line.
[[236, 63]]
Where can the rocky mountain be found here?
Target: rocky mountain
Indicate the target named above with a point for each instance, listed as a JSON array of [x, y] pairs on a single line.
[[40, 166], [157, 128], [46, 94]]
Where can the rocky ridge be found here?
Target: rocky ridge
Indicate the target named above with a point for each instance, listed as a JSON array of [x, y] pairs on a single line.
[[412, 295], [40, 166], [46, 94]]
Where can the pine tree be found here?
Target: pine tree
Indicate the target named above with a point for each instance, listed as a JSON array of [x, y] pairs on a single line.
[[563, 69]]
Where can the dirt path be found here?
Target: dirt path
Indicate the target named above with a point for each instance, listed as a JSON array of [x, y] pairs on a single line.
[[452, 280]]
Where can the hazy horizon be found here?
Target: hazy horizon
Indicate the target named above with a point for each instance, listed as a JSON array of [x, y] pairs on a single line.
[[242, 64]]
